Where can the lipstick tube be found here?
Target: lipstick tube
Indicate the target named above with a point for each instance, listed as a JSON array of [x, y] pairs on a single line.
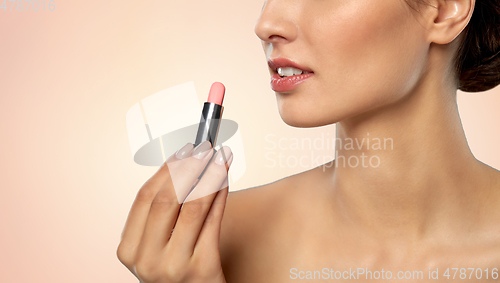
[[209, 123], [211, 115]]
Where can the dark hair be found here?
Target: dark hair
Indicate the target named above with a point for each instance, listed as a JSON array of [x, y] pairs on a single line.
[[478, 57]]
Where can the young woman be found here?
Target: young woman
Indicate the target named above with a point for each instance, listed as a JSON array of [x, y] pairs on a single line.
[[428, 210]]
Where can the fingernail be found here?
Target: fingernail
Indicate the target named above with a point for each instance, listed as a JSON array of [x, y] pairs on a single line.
[[184, 151], [224, 154], [230, 161], [202, 150]]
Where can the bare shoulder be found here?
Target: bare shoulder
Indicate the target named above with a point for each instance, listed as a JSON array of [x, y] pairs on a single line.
[[253, 209], [257, 207], [255, 218], [251, 217], [254, 204]]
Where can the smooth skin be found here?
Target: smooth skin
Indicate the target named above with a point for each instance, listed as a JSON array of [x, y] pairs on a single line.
[[384, 69], [379, 68], [190, 253]]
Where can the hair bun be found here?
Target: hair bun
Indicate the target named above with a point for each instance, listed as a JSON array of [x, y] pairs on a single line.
[[478, 60]]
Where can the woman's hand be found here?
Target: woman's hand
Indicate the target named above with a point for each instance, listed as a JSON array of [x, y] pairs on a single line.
[[149, 248]]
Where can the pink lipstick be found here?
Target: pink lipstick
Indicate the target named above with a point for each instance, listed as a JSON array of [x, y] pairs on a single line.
[[283, 84], [211, 114], [287, 83]]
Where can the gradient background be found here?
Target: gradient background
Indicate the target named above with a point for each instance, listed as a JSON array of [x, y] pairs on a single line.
[[67, 79]]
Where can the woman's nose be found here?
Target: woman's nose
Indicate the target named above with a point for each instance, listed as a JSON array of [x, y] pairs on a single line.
[[276, 22]]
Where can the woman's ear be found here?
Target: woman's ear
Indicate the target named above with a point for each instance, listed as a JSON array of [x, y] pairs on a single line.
[[448, 19]]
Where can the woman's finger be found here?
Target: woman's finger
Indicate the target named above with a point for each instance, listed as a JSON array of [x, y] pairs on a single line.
[[137, 218], [194, 212], [165, 206], [190, 169], [216, 173], [175, 159], [208, 240], [160, 221]]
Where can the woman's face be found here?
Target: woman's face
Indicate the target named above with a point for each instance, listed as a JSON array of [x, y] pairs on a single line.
[[364, 55]]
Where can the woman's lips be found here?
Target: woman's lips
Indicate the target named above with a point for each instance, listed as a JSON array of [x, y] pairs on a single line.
[[284, 84]]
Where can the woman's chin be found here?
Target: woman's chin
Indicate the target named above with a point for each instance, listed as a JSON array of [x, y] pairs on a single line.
[[304, 120]]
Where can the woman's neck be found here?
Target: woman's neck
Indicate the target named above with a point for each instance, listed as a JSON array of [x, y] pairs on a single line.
[[400, 169]]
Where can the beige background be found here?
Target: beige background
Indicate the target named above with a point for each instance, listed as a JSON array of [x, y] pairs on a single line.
[[67, 79]]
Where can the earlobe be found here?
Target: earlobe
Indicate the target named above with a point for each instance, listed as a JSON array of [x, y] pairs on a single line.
[[450, 19]]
